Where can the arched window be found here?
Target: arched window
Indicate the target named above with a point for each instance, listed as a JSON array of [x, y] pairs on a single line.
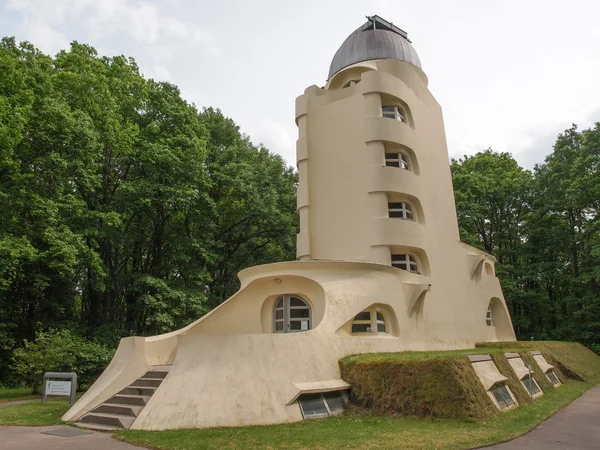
[[351, 83], [291, 314], [397, 160], [369, 321], [488, 317], [393, 112], [400, 210], [405, 262]]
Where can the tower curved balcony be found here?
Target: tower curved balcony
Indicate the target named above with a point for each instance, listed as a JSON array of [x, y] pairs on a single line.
[[393, 179], [395, 131], [376, 81], [398, 232]]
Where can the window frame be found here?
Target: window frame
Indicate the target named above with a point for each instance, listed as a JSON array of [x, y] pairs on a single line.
[[489, 316], [530, 382], [558, 382], [409, 261], [330, 412], [394, 112], [399, 158], [501, 390], [287, 308], [374, 321], [405, 210]]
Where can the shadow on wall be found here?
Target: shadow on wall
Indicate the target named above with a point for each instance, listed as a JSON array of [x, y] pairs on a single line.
[[502, 323]]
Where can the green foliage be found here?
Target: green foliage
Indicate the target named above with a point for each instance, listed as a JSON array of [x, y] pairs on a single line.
[[126, 211], [543, 227], [60, 351]]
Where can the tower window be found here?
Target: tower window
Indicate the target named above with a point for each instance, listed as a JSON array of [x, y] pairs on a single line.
[[400, 210], [351, 83], [397, 160], [370, 321], [291, 314], [393, 112], [488, 317], [405, 262]]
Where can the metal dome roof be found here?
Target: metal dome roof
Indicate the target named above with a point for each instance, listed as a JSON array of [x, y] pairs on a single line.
[[376, 39]]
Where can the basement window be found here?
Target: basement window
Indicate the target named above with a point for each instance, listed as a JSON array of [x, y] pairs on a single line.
[[552, 377], [405, 262], [530, 385], [400, 210], [370, 321], [320, 405], [397, 160], [393, 112], [502, 396]]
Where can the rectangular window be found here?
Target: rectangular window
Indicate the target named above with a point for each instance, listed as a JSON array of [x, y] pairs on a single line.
[[530, 385], [502, 396], [361, 327], [552, 378], [315, 406]]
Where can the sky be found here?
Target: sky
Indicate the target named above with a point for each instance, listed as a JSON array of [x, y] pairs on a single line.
[[509, 75]]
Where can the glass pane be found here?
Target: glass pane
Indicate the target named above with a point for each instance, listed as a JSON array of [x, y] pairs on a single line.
[[392, 163], [279, 326], [396, 205], [396, 214], [400, 266], [381, 327], [530, 385], [380, 316], [392, 156], [295, 301], [398, 258], [335, 401], [278, 314], [299, 313], [313, 406], [361, 328], [279, 303], [552, 377], [365, 315], [299, 325]]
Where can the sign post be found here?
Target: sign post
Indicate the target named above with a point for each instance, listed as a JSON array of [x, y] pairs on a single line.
[[55, 388]]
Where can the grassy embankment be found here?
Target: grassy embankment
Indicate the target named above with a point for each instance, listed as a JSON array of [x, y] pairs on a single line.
[[441, 384]]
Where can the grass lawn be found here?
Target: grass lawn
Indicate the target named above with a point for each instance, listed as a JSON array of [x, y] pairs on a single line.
[[35, 413], [7, 394]]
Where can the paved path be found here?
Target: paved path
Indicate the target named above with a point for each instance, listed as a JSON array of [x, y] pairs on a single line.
[[35, 438], [576, 427]]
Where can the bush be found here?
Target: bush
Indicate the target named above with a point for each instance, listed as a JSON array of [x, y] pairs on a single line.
[[60, 351]]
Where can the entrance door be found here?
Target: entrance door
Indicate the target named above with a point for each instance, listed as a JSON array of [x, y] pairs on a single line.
[[292, 314]]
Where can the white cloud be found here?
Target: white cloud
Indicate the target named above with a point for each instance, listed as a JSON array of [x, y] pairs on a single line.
[[277, 137]]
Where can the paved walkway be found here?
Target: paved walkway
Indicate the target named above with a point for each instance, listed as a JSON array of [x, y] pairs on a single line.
[[18, 402], [35, 438], [576, 427]]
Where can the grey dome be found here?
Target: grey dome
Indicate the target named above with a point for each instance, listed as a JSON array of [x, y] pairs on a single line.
[[376, 39]]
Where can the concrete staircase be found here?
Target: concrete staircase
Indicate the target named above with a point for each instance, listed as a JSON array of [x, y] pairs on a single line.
[[121, 410]]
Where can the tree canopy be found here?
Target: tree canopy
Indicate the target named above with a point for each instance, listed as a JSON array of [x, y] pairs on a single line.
[[125, 210]]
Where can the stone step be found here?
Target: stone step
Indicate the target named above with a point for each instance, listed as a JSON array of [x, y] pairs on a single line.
[[145, 391], [149, 382], [116, 408], [115, 420], [130, 399], [97, 426], [156, 374]]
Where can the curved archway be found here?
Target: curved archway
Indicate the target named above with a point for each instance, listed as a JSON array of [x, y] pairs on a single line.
[[497, 316]]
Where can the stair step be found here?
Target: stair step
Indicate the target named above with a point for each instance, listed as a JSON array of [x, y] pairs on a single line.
[[97, 426], [116, 420], [117, 408], [156, 374], [150, 382], [145, 391], [130, 399]]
